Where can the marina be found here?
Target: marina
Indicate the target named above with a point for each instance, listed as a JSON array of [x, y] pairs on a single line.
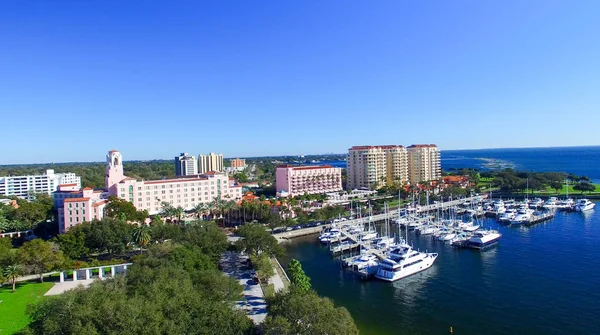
[[469, 289]]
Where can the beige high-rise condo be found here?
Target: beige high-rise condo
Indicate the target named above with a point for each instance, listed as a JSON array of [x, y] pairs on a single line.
[[210, 162], [372, 167]]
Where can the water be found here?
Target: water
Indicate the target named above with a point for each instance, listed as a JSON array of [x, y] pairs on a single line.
[[538, 280], [577, 160]]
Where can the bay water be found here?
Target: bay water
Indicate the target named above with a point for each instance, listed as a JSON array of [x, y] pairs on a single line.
[[543, 279]]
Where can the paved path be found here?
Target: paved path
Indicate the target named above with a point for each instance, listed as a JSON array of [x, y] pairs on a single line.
[[254, 302], [60, 288]]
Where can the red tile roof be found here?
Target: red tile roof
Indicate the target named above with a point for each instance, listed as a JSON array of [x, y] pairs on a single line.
[[73, 184], [365, 147], [315, 167], [422, 146], [114, 150], [76, 199], [87, 188], [99, 203]]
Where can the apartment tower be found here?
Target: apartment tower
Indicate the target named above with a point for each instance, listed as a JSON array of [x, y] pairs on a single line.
[[211, 162], [424, 163], [371, 167]]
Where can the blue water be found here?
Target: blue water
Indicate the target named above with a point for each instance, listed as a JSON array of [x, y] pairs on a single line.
[[539, 280], [578, 160]]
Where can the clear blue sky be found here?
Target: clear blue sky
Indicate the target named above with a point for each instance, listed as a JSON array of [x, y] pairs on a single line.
[[254, 78]]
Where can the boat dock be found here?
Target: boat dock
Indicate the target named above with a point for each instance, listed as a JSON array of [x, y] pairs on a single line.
[[540, 218]]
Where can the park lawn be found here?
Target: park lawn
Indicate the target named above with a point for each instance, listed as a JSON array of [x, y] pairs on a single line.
[[13, 305], [573, 192]]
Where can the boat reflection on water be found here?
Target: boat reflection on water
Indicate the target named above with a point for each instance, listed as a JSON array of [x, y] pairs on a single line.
[[587, 216], [408, 289]]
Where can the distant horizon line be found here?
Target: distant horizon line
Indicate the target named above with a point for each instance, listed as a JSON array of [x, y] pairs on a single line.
[[299, 155]]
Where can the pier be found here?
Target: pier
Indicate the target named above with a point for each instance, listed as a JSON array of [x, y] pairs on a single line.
[[540, 218]]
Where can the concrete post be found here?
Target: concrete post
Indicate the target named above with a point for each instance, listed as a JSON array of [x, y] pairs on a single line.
[[74, 275], [100, 272], [124, 267], [18, 234], [61, 277], [112, 271], [87, 273]]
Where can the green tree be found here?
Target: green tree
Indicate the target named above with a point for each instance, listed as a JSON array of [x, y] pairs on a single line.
[[118, 208], [39, 256], [141, 235], [7, 256], [107, 235], [556, 185], [255, 240], [263, 266], [297, 276], [72, 244], [12, 272], [298, 312], [584, 187]]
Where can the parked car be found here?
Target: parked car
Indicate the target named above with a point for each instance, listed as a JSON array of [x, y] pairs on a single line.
[[297, 227]]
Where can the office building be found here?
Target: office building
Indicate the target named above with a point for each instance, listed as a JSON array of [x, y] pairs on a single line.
[[186, 165], [238, 163]]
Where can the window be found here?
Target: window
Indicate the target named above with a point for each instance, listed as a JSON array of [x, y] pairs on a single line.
[[70, 219], [76, 212], [139, 199], [163, 192], [139, 188]]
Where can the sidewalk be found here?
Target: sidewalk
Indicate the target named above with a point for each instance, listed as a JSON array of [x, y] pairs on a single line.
[[253, 301]]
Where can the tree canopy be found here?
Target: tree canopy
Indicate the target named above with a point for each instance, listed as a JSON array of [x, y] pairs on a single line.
[[174, 288], [256, 239], [39, 256], [298, 312], [297, 276]]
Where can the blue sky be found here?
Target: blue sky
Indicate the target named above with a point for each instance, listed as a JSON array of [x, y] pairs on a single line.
[[254, 78]]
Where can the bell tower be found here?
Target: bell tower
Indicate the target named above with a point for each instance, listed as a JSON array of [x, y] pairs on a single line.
[[114, 171]]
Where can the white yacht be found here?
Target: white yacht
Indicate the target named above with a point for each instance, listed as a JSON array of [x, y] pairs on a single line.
[[566, 204], [584, 205], [535, 203], [403, 262], [448, 236], [508, 215], [551, 203], [330, 235], [368, 235], [524, 215], [483, 239], [365, 260]]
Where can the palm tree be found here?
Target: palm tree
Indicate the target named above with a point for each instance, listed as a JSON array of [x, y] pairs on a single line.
[[12, 272], [141, 235], [200, 208], [178, 212], [229, 206]]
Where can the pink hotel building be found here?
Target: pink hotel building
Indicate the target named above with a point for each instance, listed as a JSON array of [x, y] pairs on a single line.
[[75, 206], [298, 180]]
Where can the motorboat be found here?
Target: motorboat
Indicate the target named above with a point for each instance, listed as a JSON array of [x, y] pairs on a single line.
[[508, 215], [524, 215], [535, 203], [383, 242], [403, 262], [566, 204], [447, 237], [368, 235], [583, 205], [551, 203], [332, 234], [364, 261], [484, 239]]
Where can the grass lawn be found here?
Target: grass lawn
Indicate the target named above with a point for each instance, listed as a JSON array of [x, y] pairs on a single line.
[[12, 305], [572, 192]]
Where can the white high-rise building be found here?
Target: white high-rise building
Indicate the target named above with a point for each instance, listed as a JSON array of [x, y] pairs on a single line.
[[424, 163], [25, 186], [186, 165], [211, 162], [372, 167]]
